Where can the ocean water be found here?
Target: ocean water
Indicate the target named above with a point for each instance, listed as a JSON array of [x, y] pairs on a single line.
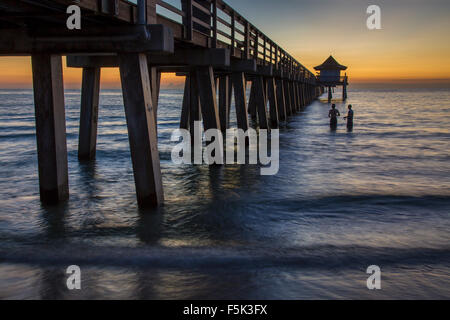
[[342, 201]]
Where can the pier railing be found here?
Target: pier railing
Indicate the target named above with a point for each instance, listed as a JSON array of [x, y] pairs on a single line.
[[224, 26]]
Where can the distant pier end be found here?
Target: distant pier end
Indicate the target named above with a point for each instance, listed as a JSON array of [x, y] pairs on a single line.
[[330, 76]]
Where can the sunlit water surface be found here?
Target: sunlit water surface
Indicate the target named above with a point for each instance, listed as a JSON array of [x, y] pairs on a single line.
[[341, 202]]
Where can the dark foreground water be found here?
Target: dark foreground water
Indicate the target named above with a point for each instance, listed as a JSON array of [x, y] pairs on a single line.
[[340, 203]]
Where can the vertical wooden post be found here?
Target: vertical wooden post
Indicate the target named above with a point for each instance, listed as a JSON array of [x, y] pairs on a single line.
[[252, 110], [256, 46], [50, 127], [151, 12], [142, 11], [214, 28], [293, 96], [261, 102], [272, 96], [141, 124], [233, 33], [224, 101], [184, 119], [247, 41], [240, 100], [281, 100], [208, 98], [305, 94], [230, 98], [194, 105], [155, 81], [90, 94], [344, 89], [300, 95], [330, 94], [297, 97], [287, 97], [188, 22]]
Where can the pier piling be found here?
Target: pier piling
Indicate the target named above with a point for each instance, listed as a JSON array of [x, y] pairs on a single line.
[[281, 100], [90, 94], [50, 127], [141, 124]]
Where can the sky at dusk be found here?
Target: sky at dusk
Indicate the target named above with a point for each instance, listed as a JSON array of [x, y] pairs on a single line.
[[413, 44]]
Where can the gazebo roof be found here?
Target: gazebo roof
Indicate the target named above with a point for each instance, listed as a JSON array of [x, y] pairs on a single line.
[[330, 64]]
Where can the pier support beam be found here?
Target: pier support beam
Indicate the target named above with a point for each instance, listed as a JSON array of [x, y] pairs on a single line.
[[141, 124], [261, 102], [344, 90], [155, 82], [298, 87], [184, 119], [295, 94], [208, 98], [252, 104], [224, 102], [50, 127], [273, 103], [194, 103], [287, 97], [240, 101], [330, 94], [281, 100], [304, 98], [90, 95]]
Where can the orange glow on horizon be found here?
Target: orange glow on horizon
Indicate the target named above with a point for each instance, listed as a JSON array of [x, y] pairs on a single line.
[[16, 71]]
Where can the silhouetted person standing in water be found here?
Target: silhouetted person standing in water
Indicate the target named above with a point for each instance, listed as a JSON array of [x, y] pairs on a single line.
[[349, 118], [333, 114]]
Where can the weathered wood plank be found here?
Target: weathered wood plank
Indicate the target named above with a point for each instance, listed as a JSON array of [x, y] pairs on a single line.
[[50, 127], [208, 98], [240, 100], [184, 119], [90, 94], [261, 102], [224, 101], [281, 100], [287, 97], [273, 103], [141, 124]]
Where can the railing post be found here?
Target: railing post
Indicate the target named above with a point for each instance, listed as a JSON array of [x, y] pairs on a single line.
[[247, 40], [142, 12], [256, 47], [233, 32], [264, 51], [187, 21], [151, 11], [214, 39], [276, 58]]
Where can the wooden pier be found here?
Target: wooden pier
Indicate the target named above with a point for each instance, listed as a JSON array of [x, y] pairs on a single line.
[[216, 48]]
